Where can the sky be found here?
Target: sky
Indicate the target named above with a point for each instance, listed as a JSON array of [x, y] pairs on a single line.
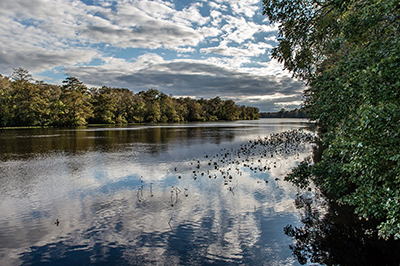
[[199, 49]]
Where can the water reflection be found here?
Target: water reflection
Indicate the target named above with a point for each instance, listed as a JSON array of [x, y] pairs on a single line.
[[31, 142], [334, 235], [168, 195]]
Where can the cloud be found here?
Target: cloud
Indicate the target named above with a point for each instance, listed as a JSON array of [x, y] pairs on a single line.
[[196, 78], [36, 49], [146, 24], [218, 6], [245, 7], [89, 208], [224, 44], [239, 30], [248, 49], [191, 14], [40, 29]]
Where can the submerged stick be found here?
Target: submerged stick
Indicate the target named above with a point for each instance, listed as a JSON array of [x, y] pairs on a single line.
[[169, 223]]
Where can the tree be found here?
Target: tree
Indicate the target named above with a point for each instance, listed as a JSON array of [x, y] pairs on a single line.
[[75, 107], [21, 75], [337, 237], [6, 111], [348, 53], [195, 111], [252, 113], [125, 106], [104, 105], [151, 108], [167, 108], [228, 111], [30, 102], [24, 103], [182, 108], [51, 94]]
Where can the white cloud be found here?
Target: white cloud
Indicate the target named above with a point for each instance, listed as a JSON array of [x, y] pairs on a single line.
[[218, 6], [209, 31], [43, 35], [270, 38], [184, 50], [239, 30], [36, 49], [208, 78], [269, 27], [275, 68], [192, 15], [144, 24], [245, 7], [248, 49]]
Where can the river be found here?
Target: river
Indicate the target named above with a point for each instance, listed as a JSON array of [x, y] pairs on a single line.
[[156, 194]]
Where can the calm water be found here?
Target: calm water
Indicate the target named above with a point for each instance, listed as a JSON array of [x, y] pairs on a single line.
[[173, 194]]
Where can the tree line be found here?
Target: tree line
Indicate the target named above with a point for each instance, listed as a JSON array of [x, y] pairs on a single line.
[[347, 52], [24, 102], [295, 113]]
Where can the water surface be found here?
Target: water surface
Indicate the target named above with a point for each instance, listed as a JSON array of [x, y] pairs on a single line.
[[162, 194]]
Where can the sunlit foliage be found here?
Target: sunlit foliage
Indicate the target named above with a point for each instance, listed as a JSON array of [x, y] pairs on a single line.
[[24, 102], [348, 53]]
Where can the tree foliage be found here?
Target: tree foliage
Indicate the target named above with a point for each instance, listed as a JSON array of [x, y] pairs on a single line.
[[24, 102], [337, 237], [348, 53], [296, 113]]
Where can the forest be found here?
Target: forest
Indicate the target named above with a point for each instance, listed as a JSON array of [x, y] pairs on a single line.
[[348, 55], [24, 102], [295, 113]]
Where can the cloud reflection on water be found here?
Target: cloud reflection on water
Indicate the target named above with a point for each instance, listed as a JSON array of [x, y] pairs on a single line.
[[107, 211]]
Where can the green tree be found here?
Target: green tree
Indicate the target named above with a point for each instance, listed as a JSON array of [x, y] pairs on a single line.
[[125, 106], [195, 111], [214, 105], [75, 106], [228, 111], [252, 113], [21, 75], [348, 53], [167, 108], [51, 94], [104, 105], [152, 112], [182, 108], [30, 101], [56, 104], [6, 110], [26, 103]]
